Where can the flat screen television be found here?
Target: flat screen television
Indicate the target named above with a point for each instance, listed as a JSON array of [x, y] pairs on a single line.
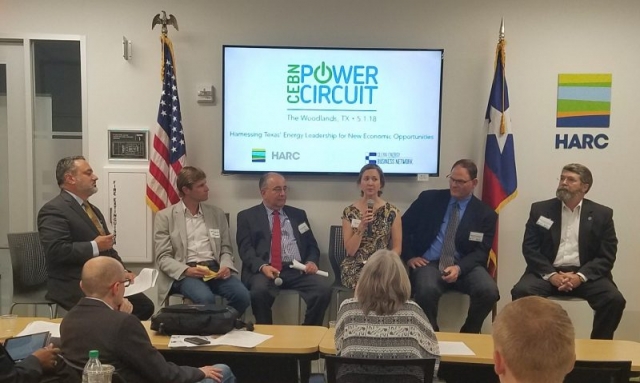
[[331, 110]]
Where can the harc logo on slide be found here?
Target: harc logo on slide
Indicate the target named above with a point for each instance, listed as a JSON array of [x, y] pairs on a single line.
[[331, 84], [258, 155]]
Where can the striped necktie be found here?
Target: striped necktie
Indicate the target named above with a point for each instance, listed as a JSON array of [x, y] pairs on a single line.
[[449, 243]]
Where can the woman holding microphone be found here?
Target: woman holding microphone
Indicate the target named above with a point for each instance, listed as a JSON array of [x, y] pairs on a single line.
[[368, 225]]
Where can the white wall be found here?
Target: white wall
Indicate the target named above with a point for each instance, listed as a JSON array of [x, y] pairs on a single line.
[[544, 38]]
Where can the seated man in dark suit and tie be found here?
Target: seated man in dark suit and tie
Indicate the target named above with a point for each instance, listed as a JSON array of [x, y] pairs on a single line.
[[101, 321], [72, 231], [570, 246], [270, 237], [447, 235]]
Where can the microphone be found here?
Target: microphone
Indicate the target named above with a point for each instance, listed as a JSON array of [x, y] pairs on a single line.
[[278, 280], [369, 208], [299, 266]]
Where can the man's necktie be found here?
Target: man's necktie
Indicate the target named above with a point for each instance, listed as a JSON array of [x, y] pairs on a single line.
[[94, 217], [276, 242], [449, 243]]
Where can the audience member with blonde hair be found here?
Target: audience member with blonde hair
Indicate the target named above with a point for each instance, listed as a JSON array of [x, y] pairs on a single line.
[[364, 328], [533, 342]]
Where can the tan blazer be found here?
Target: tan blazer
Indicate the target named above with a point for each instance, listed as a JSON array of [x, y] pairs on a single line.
[[170, 243]]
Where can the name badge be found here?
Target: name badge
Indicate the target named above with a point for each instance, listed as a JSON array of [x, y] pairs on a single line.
[[475, 236], [303, 228], [544, 222], [355, 222], [214, 233]]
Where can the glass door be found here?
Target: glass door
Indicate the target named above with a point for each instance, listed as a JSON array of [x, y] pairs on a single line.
[[14, 201]]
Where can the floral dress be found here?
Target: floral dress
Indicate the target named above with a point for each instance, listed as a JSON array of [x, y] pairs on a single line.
[[379, 238]]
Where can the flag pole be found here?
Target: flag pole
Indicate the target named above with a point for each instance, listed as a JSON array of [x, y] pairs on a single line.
[[500, 183], [168, 152]]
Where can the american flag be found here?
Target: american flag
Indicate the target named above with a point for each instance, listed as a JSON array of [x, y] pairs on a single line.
[[169, 153], [500, 181]]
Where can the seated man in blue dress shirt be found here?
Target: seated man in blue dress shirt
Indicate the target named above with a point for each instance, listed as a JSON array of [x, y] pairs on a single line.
[[447, 235]]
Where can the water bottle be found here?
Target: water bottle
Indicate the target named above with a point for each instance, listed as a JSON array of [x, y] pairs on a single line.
[[93, 369]]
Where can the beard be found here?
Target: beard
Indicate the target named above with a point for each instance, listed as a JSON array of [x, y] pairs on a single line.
[[564, 195]]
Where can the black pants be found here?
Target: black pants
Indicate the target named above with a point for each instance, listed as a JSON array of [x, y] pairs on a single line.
[[602, 295], [428, 286], [142, 306], [314, 290]]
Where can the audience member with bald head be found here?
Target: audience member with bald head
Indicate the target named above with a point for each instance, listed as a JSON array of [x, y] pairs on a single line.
[[102, 321], [270, 236], [102, 278], [533, 342]]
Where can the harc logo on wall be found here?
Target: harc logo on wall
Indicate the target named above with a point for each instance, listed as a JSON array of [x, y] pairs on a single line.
[[584, 101]]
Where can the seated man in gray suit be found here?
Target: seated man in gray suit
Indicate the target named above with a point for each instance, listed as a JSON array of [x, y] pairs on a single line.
[[190, 235], [270, 236], [101, 321]]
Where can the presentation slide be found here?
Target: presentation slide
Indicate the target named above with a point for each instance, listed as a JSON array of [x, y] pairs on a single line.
[[326, 110]]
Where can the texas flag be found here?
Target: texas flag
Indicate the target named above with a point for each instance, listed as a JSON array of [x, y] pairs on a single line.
[[500, 183]]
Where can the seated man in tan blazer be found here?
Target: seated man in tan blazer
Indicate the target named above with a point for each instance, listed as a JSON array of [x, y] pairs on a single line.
[[193, 247]]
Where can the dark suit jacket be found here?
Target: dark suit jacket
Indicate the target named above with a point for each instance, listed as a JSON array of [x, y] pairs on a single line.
[[597, 241], [66, 232], [254, 238], [122, 342], [27, 371], [421, 224]]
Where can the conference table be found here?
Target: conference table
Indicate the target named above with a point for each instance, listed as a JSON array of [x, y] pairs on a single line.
[[278, 359], [285, 357], [481, 363]]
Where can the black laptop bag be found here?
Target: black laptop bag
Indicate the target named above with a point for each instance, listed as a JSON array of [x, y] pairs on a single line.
[[195, 319]]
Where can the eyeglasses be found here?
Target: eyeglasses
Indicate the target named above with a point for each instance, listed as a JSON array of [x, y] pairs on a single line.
[[279, 189], [457, 182], [126, 282]]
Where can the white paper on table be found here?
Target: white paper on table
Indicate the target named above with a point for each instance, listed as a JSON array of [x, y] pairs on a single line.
[[454, 348], [143, 282], [178, 341], [241, 338], [41, 326], [238, 338]]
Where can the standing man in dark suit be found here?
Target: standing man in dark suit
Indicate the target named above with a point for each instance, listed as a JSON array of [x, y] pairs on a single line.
[[263, 259], [99, 322], [447, 236], [570, 246], [72, 231]]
